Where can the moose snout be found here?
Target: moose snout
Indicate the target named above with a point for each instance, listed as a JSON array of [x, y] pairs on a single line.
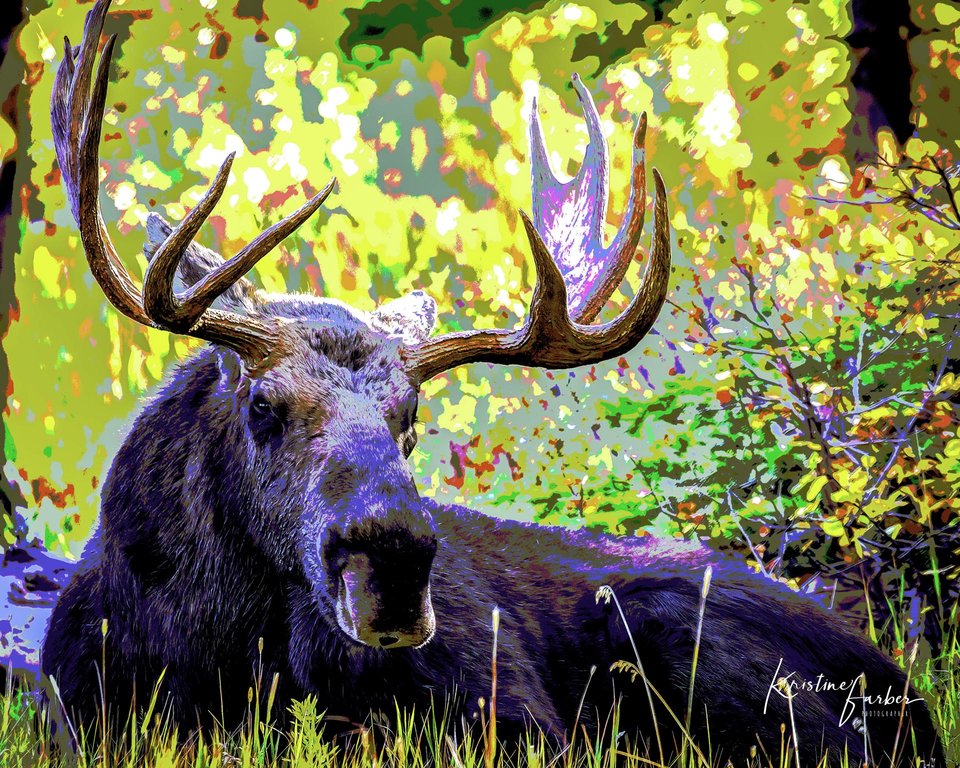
[[384, 606], [377, 551]]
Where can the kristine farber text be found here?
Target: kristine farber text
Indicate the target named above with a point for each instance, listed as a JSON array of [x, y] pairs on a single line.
[[856, 701]]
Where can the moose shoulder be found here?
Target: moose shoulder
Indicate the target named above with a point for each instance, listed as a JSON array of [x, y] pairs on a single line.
[[261, 513]]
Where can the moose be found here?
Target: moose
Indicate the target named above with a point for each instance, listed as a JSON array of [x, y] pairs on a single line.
[[261, 514]]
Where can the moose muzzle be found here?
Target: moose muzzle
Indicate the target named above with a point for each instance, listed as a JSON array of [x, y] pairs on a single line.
[[383, 606]]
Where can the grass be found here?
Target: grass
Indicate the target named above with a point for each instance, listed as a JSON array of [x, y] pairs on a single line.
[[409, 739]]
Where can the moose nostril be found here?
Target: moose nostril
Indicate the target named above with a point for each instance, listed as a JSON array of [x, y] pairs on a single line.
[[387, 640]]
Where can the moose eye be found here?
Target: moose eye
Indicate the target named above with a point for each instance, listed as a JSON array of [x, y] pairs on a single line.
[[266, 418], [261, 407], [409, 417]]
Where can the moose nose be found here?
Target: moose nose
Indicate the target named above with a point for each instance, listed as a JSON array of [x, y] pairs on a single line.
[[383, 611], [395, 639]]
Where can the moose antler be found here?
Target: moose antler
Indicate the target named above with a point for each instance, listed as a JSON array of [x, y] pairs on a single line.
[[576, 273], [77, 116]]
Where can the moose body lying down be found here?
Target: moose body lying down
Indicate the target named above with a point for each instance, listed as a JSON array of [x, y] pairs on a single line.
[[261, 513]]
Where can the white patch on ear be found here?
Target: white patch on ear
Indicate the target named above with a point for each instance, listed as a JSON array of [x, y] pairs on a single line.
[[195, 264], [231, 368], [157, 230], [412, 316]]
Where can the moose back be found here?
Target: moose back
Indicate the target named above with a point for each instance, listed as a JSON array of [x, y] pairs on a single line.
[[261, 513]]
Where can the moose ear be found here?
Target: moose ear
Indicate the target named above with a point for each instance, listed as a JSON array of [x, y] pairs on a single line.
[[231, 369], [412, 316], [196, 263]]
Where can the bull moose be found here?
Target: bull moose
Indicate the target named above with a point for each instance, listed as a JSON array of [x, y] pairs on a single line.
[[261, 512]]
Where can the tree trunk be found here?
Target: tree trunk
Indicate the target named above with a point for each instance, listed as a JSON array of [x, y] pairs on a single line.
[[12, 100]]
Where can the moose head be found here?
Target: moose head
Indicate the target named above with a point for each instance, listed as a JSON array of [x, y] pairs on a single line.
[[321, 397]]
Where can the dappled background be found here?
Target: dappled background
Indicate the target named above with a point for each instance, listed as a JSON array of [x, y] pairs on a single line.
[[797, 402]]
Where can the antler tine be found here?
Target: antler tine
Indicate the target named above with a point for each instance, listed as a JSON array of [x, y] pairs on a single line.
[[625, 332], [182, 312], [81, 73], [570, 215], [159, 299], [106, 265], [77, 116], [645, 306], [574, 282], [203, 293], [548, 321], [548, 308]]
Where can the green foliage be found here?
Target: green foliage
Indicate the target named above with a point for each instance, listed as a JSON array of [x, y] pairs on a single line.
[[799, 395], [834, 437]]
